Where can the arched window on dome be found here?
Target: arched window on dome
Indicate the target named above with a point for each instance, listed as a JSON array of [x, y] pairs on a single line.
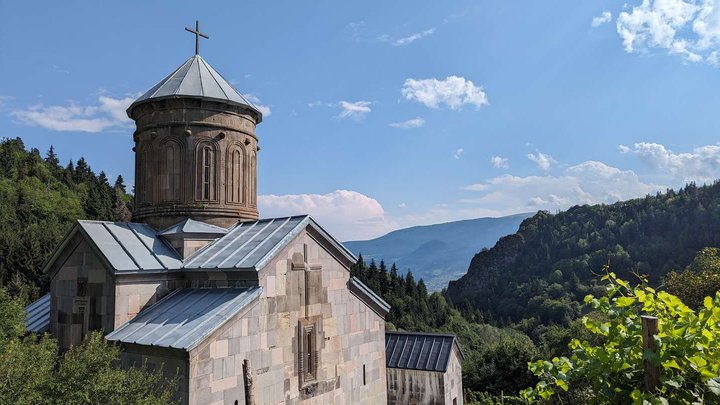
[[206, 172], [170, 171], [236, 174], [143, 176], [253, 178]]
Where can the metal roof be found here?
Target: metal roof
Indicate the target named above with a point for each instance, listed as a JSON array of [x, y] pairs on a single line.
[[192, 226], [37, 315], [419, 351], [368, 296], [185, 317], [136, 247], [250, 245], [196, 79], [130, 246]]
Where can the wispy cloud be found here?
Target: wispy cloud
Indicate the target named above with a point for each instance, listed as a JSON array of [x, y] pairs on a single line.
[[499, 162], [590, 182], [458, 153], [355, 110], [4, 100], [414, 37], [108, 113], [542, 160], [265, 110], [701, 165], [604, 18], [348, 214], [688, 28], [416, 122], [453, 91]]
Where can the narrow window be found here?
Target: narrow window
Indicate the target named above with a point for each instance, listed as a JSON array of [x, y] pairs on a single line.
[[207, 166], [308, 354], [364, 377]]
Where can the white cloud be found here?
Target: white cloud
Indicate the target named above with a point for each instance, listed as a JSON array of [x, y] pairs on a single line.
[[355, 110], [453, 91], [416, 122], [542, 160], [689, 28], [265, 110], [702, 165], [414, 37], [589, 182], [346, 214], [110, 113], [500, 162], [603, 18], [458, 153], [402, 205], [316, 103]]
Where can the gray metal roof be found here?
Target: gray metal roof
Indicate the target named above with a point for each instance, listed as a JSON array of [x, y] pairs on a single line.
[[130, 246], [250, 245], [192, 226], [419, 351], [185, 317], [38, 315], [196, 79], [368, 296], [136, 247]]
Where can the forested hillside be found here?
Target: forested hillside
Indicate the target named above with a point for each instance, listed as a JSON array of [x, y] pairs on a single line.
[[542, 272], [39, 200], [440, 252]]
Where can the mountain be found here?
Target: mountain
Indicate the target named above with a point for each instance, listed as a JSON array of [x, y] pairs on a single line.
[[542, 272], [437, 253]]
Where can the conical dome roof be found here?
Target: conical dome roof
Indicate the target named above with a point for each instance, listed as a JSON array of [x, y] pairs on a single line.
[[195, 79]]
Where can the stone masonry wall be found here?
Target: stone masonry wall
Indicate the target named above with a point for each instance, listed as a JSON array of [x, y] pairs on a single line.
[[82, 296], [453, 380], [415, 387], [350, 337]]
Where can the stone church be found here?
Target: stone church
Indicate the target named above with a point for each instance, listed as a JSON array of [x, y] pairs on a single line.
[[243, 310]]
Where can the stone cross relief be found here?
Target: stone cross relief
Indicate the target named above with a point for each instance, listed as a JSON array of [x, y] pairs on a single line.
[[299, 263]]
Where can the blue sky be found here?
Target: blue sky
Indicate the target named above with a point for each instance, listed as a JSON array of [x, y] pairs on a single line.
[[391, 114]]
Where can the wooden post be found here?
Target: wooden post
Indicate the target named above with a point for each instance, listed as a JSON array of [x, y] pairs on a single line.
[[248, 378], [652, 373]]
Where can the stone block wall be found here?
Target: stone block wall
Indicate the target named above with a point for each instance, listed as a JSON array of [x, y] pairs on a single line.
[[453, 380], [82, 296], [350, 339], [415, 387]]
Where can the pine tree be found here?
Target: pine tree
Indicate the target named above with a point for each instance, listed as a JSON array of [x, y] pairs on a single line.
[[120, 183]]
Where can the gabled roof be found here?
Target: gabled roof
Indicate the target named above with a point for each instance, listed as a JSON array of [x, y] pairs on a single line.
[[125, 246], [195, 79], [185, 317], [419, 351], [136, 247], [368, 296], [37, 315], [250, 245], [192, 226]]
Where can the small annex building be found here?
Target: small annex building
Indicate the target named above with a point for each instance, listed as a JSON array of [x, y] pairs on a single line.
[[243, 309], [423, 368]]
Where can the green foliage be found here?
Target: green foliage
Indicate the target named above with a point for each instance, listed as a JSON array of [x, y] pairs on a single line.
[[546, 268], [495, 358], [689, 354], [699, 280], [34, 373], [39, 200]]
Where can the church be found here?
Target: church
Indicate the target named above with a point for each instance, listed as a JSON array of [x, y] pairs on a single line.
[[241, 309]]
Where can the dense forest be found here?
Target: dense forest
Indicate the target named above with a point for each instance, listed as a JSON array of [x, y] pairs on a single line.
[[39, 200], [542, 272]]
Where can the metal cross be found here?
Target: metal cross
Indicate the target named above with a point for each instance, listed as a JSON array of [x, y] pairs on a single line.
[[198, 34]]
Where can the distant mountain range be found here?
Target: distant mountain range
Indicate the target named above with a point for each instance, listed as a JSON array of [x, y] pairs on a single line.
[[437, 253]]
